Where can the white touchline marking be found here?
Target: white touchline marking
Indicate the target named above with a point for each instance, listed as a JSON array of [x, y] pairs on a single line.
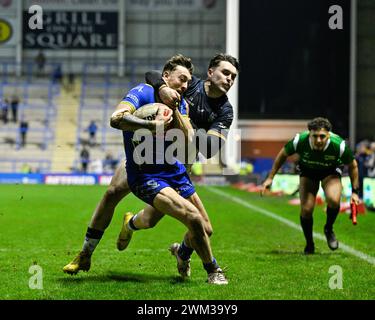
[[293, 225]]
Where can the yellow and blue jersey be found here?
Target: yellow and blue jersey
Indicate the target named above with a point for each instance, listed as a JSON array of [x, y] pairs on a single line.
[[137, 97]]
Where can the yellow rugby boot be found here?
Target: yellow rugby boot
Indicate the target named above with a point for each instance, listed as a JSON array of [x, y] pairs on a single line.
[[81, 262], [126, 234]]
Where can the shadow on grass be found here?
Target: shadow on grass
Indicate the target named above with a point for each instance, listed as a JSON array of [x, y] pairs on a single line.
[[119, 277], [299, 253]]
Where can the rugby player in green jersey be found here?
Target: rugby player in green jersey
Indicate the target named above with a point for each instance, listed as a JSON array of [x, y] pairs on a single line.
[[322, 155]]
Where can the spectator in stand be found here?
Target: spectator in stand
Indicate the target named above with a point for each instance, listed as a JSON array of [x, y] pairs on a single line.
[[26, 168], [14, 102], [40, 61], [370, 161], [92, 129], [361, 155], [24, 127], [57, 75], [71, 82], [85, 159], [109, 163], [96, 166], [4, 110]]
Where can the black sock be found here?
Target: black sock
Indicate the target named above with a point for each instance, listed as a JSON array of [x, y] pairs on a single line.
[[307, 227], [94, 233], [211, 266], [331, 217]]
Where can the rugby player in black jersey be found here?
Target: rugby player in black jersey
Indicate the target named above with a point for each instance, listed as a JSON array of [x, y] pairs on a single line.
[[209, 109]]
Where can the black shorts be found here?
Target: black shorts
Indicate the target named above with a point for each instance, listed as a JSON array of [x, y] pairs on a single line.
[[319, 175]]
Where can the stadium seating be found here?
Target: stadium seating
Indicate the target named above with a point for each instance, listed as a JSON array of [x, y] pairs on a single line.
[[58, 114], [37, 107]]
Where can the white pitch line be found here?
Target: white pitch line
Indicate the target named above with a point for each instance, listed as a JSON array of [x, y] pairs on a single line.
[[293, 225]]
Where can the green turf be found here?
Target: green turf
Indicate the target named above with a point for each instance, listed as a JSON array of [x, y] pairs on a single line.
[[45, 225]]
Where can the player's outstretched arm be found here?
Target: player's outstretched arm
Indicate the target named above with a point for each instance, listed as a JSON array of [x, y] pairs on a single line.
[[353, 173], [279, 161]]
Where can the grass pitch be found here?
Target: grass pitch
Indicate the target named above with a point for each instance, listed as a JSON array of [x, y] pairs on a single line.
[[45, 226]]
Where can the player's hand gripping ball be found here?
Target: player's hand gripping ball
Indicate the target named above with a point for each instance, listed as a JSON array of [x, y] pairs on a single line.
[[155, 111]]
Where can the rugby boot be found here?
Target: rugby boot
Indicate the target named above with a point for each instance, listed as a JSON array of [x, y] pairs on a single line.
[[217, 277], [183, 266], [81, 262], [332, 242], [309, 249], [126, 234]]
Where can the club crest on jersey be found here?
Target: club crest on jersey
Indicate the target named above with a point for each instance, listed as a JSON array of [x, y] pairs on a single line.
[[212, 117], [306, 155]]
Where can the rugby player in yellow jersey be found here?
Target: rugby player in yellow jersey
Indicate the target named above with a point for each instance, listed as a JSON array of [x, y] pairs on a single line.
[[322, 155]]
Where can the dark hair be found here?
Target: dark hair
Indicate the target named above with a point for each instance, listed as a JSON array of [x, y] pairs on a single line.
[[178, 60], [216, 59], [319, 123]]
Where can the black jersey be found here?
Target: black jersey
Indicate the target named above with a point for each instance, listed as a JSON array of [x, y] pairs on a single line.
[[215, 115], [211, 114]]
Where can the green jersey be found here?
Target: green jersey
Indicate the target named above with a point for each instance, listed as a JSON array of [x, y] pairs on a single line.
[[335, 153]]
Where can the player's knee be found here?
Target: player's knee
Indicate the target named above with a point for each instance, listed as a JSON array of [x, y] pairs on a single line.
[[115, 192], [307, 208], [196, 223], [333, 203], [307, 212], [208, 229]]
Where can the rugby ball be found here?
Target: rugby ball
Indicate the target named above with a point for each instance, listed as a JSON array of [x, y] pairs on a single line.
[[154, 111]]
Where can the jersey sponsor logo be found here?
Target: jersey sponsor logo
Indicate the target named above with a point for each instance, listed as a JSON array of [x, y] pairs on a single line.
[[329, 157], [133, 97], [184, 188], [317, 163], [221, 125]]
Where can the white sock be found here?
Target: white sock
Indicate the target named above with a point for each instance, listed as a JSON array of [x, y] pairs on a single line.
[[129, 224], [89, 245]]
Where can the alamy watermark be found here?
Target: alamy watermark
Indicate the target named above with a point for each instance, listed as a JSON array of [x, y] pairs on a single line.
[[336, 281], [36, 20], [336, 21], [36, 280], [165, 147]]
